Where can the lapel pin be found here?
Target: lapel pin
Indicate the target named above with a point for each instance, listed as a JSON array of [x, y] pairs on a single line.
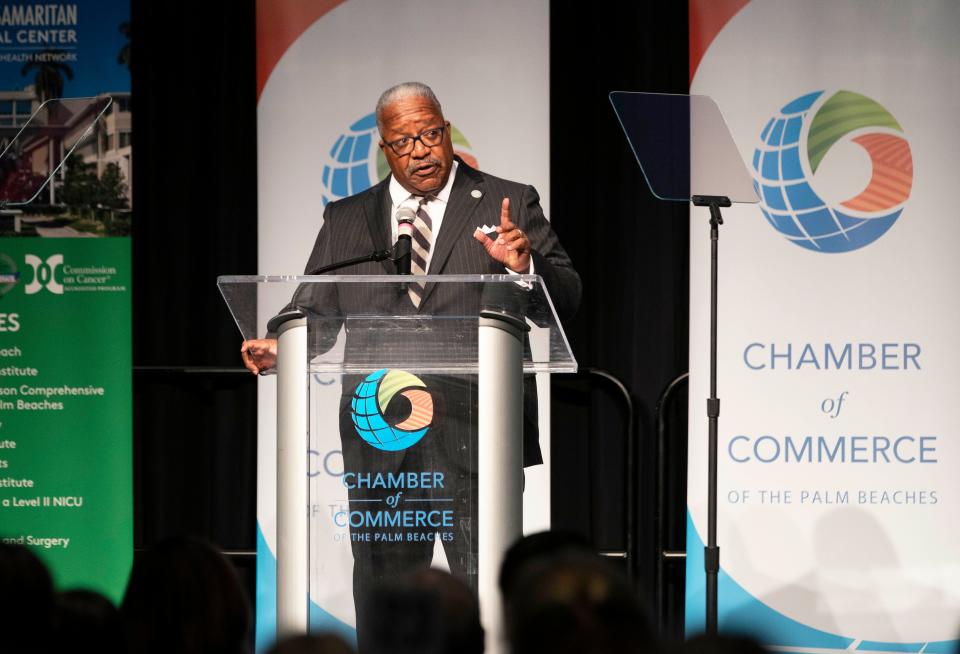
[[475, 193]]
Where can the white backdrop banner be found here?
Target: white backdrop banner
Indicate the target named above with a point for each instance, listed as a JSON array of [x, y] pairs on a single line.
[[839, 362], [322, 64]]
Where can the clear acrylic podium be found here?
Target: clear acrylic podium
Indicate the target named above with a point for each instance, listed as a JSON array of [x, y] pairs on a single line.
[[421, 413]]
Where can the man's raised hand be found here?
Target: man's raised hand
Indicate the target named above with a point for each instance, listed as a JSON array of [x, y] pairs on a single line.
[[511, 247]]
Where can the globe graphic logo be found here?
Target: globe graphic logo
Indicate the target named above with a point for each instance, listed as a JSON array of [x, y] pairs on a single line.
[[371, 401], [355, 162], [794, 143]]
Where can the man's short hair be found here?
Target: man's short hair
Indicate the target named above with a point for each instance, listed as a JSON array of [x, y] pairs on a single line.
[[400, 92]]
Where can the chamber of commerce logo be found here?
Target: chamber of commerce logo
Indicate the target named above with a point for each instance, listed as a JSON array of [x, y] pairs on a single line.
[[355, 162], [794, 143], [392, 410], [44, 274], [9, 276]]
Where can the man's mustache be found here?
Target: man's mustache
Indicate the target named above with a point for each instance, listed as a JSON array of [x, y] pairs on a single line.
[[423, 163]]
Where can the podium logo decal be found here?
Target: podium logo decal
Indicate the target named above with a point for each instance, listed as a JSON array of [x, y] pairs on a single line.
[[793, 145], [391, 410]]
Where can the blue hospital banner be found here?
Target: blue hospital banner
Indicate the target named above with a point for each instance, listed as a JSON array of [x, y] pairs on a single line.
[[839, 362]]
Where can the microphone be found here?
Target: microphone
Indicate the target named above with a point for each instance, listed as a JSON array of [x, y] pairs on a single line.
[[401, 251]]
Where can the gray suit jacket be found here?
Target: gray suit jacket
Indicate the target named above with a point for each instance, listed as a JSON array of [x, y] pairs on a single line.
[[360, 224]]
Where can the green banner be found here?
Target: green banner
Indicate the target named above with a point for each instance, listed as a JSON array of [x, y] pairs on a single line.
[[65, 406]]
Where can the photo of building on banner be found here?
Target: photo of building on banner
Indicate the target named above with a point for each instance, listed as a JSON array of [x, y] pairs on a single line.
[[44, 58], [66, 165]]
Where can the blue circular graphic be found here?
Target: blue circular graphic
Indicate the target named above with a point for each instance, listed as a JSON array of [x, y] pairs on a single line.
[[793, 144], [353, 161]]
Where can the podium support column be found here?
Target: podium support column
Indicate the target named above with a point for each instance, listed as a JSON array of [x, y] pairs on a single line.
[[500, 459], [292, 535]]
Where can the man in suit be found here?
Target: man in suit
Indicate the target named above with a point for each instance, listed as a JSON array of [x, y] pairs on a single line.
[[450, 201]]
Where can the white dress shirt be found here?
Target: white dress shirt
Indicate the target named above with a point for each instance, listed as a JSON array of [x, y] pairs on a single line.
[[435, 208]]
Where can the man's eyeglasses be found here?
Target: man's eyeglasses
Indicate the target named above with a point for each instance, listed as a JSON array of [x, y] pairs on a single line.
[[429, 137]]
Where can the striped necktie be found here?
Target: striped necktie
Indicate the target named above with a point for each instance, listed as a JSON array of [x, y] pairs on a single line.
[[420, 249]]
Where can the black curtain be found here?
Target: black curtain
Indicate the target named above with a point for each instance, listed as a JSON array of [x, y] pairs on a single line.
[[632, 252], [194, 203]]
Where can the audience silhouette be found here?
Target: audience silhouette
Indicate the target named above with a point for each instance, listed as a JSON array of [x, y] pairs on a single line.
[[87, 617], [184, 597], [427, 612], [575, 602], [26, 601], [311, 644]]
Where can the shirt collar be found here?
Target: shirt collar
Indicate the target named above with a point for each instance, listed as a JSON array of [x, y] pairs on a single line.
[[399, 195]]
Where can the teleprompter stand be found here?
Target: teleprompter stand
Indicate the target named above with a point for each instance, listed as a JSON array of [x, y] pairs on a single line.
[[686, 154], [711, 552]]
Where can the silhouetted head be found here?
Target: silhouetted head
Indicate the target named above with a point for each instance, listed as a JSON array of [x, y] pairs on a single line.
[[88, 621], [576, 603], [185, 597], [537, 548], [26, 600], [459, 610], [426, 612], [311, 644]]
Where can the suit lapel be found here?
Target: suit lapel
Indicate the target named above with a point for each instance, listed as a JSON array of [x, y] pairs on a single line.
[[376, 209], [456, 220]]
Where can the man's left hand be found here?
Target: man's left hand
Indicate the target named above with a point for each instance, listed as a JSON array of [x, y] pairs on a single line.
[[511, 247]]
